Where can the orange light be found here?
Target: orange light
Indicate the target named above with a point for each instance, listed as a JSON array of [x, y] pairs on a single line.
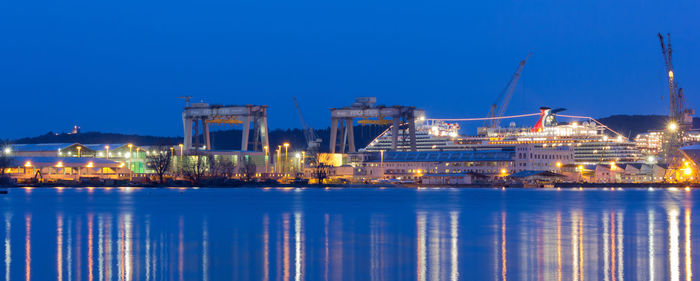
[[90, 164], [59, 164], [28, 164], [558, 164], [687, 171]]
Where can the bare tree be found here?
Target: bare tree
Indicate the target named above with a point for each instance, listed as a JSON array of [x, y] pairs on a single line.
[[320, 167], [220, 167], [194, 167], [226, 167], [160, 161], [248, 169]]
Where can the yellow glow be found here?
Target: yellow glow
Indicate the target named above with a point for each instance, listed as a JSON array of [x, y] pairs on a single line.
[[28, 164], [90, 164], [670, 74], [121, 165], [286, 144], [504, 171], [672, 126], [558, 164], [687, 171], [59, 164], [131, 145]]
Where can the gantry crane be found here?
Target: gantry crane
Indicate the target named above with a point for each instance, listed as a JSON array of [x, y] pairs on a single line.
[[313, 142], [498, 108]]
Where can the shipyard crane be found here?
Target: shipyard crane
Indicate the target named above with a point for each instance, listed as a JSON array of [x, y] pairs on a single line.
[[680, 117], [187, 100], [313, 142], [498, 108], [677, 110]]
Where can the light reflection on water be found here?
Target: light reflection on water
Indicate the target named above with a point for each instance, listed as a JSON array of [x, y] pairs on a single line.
[[354, 234]]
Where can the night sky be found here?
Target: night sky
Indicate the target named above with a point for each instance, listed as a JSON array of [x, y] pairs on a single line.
[[118, 66]]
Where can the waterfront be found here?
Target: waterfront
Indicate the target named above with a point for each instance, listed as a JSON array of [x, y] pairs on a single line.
[[348, 233]]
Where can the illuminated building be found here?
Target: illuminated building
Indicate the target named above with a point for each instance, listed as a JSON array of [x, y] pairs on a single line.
[[494, 162], [64, 168]]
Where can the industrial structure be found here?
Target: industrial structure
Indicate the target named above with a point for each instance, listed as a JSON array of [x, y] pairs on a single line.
[[205, 114], [680, 117], [498, 108], [313, 142], [403, 120], [412, 149]]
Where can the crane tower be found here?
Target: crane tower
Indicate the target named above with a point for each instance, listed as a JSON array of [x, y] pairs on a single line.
[[680, 117], [498, 108]]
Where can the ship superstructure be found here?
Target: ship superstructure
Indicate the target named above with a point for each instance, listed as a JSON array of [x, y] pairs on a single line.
[[590, 140]]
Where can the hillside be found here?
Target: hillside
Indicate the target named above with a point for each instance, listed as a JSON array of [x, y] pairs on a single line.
[[224, 140], [632, 125]]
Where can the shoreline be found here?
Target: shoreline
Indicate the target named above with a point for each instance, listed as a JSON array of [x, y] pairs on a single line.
[[379, 186]]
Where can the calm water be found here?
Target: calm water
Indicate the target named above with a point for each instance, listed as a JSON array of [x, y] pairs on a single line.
[[351, 234]]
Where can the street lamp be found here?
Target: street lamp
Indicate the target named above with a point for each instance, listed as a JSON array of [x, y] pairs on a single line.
[[278, 167], [672, 126], [107, 149], [180, 145], [286, 162], [580, 171]]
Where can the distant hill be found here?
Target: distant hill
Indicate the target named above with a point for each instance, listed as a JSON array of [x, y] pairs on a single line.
[[632, 125], [628, 125], [224, 140], [97, 137]]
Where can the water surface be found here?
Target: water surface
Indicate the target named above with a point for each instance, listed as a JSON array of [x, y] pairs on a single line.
[[348, 234]]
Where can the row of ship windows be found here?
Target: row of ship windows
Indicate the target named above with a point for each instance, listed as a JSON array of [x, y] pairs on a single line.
[[454, 164], [544, 156], [446, 171]]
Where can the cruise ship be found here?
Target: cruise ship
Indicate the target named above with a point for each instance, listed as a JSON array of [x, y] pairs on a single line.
[[593, 143]]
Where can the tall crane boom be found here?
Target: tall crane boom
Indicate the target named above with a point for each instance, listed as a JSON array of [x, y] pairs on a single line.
[[312, 141], [498, 108], [681, 118], [677, 110]]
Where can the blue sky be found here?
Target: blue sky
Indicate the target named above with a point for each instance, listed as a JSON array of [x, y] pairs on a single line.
[[118, 66]]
